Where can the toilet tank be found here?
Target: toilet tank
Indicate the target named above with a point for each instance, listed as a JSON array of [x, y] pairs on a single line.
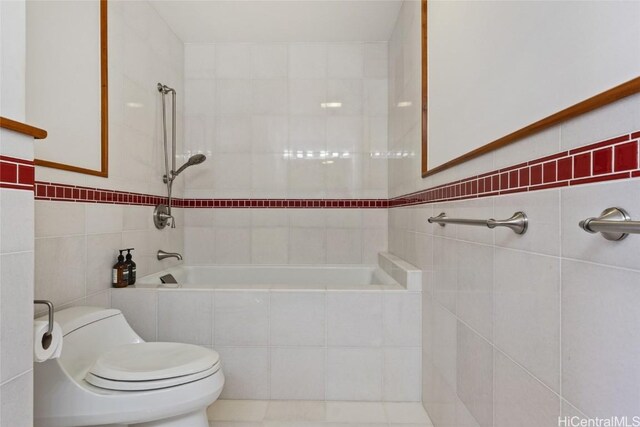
[[87, 333]]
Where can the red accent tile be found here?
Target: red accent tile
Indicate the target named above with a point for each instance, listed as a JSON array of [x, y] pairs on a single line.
[[626, 156], [565, 168], [524, 177], [8, 172], [495, 182], [513, 178], [481, 185], [549, 172], [536, 174], [635, 174], [600, 144], [26, 174], [582, 165], [41, 191], [602, 161], [635, 135]]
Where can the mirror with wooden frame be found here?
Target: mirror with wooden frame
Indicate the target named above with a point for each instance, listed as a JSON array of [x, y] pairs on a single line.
[[491, 77], [66, 81]]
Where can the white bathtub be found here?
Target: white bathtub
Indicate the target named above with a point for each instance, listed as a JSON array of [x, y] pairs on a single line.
[[274, 277], [349, 332]]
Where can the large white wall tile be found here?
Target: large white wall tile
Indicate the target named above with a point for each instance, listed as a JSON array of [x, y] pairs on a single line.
[[354, 374], [60, 268], [16, 314], [474, 297], [308, 60], [354, 319], [269, 60], [246, 370], [526, 313], [55, 219], [298, 319], [475, 374], [345, 60], [16, 207], [241, 318], [402, 318], [16, 407], [520, 399], [402, 374], [140, 308], [598, 313], [298, 373], [102, 252], [185, 317]]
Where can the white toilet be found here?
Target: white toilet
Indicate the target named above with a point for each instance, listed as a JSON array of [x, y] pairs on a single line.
[[107, 375]]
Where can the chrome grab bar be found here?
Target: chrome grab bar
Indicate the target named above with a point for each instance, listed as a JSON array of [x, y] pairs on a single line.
[[613, 223], [49, 305], [518, 223]]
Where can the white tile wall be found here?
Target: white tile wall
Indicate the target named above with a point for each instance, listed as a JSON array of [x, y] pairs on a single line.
[[284, 236], [517, 329], [293, 344], [76, 246], [249, 103], [276, 90]]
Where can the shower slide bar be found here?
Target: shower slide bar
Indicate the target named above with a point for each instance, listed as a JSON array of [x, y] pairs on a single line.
[[517, 223], [613, 223]]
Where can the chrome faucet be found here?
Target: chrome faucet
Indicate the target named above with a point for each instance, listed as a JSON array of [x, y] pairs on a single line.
[[162, 255]]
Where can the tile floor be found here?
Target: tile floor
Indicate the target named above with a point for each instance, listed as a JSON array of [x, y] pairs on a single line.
[[280, 413]]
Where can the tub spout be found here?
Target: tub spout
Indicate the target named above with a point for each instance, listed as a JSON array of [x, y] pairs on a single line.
[[162, 255]]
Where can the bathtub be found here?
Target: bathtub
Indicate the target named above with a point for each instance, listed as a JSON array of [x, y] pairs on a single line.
[[391, 273], [348, 332], [273, 277]]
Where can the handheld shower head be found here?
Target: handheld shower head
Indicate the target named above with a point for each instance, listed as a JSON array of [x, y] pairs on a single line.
[[193, 160]]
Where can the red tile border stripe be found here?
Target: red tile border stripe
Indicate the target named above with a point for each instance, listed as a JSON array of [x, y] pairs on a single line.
[[16, 174], [611, 159], [608, 160]]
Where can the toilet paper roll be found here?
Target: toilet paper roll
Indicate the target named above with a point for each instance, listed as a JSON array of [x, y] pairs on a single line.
[[45, 348]]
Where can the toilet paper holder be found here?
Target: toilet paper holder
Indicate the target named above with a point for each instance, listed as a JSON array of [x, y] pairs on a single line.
[[49, 305]]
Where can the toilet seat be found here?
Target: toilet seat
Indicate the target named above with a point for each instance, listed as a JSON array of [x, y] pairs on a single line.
[[150, 366]]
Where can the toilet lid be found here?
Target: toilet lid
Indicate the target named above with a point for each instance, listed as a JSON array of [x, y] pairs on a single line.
[[149, 385], [153, 361]]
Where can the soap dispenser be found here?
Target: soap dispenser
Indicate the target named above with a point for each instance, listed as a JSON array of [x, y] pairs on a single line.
[[131, 267], [120, 273]]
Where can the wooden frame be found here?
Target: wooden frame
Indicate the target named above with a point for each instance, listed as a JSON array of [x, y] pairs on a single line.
[[104, 96], [604, 98]]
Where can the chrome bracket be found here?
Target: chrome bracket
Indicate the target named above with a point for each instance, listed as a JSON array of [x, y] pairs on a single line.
[[607, 220]]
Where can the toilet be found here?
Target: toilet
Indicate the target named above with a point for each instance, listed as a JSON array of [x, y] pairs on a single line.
[[108, 376]]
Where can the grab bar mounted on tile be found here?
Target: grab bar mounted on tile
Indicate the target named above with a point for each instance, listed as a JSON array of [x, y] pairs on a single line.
[[613, 224], [517, 223]]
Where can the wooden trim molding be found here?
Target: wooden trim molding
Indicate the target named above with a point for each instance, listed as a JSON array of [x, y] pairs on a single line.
[[22, 128], [104, 109], [425, 87]]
